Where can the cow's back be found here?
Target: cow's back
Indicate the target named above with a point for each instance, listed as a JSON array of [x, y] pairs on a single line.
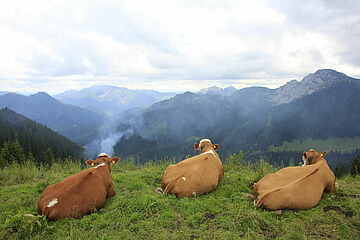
[[76, 195], [279, 179], [193, 176], [292, 188], [301, 194]]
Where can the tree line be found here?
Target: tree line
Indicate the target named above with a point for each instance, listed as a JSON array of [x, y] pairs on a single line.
[[22, 138]]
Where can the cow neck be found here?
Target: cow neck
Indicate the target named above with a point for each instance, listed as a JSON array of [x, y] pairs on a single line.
[[207, 148], [107, 166], [317, 158]]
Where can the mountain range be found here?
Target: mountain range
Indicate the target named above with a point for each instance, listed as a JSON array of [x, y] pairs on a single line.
[[112, 100], [152, 125], [324, 104]]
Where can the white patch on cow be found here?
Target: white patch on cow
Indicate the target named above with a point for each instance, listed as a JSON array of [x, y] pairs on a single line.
[[52, 203], [194, 193], [204, 140], [304, 159], [210, 151], [183, 178], [100, 165], [102, 155]]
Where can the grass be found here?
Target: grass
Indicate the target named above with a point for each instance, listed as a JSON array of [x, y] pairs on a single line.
[[344, 145], [136, 212]]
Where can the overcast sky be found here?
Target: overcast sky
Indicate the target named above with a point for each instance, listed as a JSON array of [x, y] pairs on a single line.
[[167, 45]]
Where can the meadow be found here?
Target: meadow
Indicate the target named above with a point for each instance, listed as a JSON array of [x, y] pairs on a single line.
[[137, 212], [344, 145]]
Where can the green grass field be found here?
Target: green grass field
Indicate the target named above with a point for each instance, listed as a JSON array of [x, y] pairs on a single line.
[[136, 212], [331, 144]]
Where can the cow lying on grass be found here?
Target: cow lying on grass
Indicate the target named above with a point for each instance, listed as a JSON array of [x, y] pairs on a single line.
[[295, 187], [81, 193], [196, 175]]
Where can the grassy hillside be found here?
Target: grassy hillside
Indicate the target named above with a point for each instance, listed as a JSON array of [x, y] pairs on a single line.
[[344, 145], [136, 212]]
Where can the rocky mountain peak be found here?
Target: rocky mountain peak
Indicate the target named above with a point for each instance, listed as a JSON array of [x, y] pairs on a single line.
[[311, 83], [218, 91]]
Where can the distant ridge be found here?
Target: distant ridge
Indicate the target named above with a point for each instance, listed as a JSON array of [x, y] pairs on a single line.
[[218, 91], [78, 124], [112, 100], [309, 84]]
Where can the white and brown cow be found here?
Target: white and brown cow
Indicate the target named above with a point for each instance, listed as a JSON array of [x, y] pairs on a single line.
[[295, 187], [196, 175], [81, 193]]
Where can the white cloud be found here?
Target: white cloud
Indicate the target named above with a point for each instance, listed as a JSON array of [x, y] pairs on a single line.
[[173, 45]]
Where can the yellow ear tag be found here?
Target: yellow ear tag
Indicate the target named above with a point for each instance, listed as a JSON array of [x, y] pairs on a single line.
[[321, 155], [113, 161], [92, 164]]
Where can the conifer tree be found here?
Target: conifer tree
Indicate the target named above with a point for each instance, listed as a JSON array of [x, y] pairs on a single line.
[[355, 166], [12, 152], [49, 157]]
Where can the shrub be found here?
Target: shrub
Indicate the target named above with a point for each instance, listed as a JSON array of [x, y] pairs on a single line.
[[24, 225]]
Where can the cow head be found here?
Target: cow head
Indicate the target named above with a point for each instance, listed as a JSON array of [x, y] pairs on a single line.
[[204, 145], [102, 159], [312, 157]]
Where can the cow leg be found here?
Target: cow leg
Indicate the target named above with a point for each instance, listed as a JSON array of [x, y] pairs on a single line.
[[111, 191]]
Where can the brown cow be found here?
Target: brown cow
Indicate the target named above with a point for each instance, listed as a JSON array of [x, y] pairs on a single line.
[[295, 187], [196, 175], [81, 193]]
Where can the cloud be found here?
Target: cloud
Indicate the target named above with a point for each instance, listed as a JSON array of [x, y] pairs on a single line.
[[170, 44]]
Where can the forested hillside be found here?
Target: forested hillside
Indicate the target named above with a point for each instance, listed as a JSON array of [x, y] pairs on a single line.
[[79, 124], [41, 143]]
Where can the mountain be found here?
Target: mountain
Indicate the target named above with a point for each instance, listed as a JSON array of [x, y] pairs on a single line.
[[3, 93], [311, 83], [79, 124], [110, 99], [228, 91], [35, 138], [324, 104]]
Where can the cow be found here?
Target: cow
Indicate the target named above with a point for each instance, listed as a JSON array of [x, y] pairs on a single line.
[[196, 175], [296, 187], [81, 193]]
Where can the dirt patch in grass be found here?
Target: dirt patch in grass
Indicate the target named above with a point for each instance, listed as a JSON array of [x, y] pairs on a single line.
[[347, 195], [209, 215], [338, 210], [322, 232]]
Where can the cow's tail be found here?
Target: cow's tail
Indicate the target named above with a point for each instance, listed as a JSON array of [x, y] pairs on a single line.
[[159, 190], [170, 186], [260, 200]]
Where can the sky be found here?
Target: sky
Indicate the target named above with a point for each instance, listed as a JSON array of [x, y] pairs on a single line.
[[168, 45]]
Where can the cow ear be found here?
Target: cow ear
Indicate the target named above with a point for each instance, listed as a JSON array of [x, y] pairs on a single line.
[[216, 147], [90, 162], [196, 146], [323, 153], [115, 159]]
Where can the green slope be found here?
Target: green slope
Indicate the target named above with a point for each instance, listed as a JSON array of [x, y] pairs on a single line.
[[344, 145], [136, 212]]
